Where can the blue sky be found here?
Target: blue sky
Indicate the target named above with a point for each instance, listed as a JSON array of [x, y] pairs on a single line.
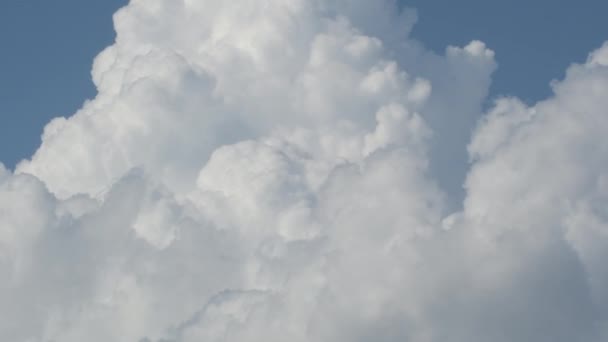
[[48, 47], [45, 64]]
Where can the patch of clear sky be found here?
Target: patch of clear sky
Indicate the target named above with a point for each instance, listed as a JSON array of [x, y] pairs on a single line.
[[47, 47]]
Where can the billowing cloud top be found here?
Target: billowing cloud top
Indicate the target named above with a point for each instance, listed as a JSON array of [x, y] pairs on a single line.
[[292, 170]]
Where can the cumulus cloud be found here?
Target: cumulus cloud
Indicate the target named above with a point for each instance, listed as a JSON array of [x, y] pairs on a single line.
[[304, 171]]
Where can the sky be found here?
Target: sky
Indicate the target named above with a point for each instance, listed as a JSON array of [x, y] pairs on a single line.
[[47, 51], [49, 47], [305, 170]]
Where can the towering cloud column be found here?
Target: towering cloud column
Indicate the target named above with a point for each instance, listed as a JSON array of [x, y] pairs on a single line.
[[302, 170]]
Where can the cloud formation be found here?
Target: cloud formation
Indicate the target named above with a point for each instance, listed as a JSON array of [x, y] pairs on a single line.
[[291, 170]]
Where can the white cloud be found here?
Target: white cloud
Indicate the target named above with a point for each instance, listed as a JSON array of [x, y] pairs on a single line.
[[288, 170]]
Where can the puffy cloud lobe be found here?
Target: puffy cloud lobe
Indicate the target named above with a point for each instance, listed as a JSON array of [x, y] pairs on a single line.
[[559, 144], [277, 170]]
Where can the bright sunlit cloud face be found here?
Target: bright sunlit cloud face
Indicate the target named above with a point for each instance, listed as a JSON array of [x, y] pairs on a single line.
[[292, 170]]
